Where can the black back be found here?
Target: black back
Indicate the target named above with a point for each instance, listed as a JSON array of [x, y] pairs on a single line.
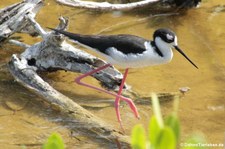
[[125, 43]]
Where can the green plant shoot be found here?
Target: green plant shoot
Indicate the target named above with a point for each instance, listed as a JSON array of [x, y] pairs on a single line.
[[54, 142], [138, 137]]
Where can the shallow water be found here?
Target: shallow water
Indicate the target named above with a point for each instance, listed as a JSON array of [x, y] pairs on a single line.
[[200, 34]]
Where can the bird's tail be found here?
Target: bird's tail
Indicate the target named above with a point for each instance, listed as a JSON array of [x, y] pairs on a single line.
[[68, 34]]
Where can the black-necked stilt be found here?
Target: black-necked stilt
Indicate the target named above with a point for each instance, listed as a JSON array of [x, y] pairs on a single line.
[[128, 51]]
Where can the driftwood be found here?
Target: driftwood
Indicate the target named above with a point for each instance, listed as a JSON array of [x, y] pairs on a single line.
[[13, 18], [158, 5], [53, 54]]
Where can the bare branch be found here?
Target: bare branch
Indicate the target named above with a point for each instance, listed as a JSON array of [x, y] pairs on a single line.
[[36, 26], [18, 43], [105, 6], [13, 18]]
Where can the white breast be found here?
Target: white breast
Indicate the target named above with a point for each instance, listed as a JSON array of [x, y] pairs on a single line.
[[147, 58]]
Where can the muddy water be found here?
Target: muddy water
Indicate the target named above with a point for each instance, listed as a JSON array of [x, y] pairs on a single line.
[[200, 34]]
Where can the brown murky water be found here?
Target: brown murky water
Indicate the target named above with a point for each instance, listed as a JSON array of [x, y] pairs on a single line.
[[201, 34]]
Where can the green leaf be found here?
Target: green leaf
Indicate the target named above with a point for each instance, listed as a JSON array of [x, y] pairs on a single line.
[[157, 110], [165, 139], [138, 140], [54, 142], [154, 130], [173, 122]]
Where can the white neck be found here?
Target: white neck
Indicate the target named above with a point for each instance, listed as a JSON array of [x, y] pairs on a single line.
[[165, 48]]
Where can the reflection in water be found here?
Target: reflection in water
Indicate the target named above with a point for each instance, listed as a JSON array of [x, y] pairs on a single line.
[[201, 35]]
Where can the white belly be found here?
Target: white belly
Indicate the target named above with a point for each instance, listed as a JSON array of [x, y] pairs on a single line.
[[148, 58]]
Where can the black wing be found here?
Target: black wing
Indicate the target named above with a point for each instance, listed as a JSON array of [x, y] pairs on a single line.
[[124, 43]]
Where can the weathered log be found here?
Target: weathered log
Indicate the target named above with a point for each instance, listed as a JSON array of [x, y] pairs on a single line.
[[13, 18]]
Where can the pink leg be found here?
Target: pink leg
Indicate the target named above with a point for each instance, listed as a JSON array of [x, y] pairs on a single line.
[[129, 101], [118, 99]]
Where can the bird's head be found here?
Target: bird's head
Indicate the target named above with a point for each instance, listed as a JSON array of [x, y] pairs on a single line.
[[168, 38]]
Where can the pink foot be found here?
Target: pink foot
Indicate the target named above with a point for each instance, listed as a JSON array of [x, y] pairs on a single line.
[[118, 96]]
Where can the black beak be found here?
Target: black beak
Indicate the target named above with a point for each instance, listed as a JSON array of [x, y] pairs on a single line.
[[181, 52]]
